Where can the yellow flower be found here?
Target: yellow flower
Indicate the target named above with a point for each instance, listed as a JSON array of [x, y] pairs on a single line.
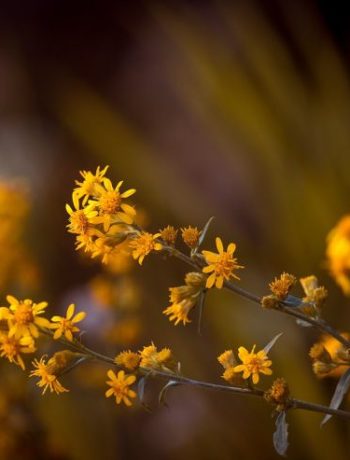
[[282, 285], [184, 298], [81, 221], [11, 348], [327, 353], [143, 244], [315, 295], [47, 373], [190, 236], [278, 393], [221, 265], [154, 359], [87, 187], [168, 234], [110, 204], [120, 387], [24, 318], [253, 364], [128, 359], [227, 359], [67, 325], [338, 253]]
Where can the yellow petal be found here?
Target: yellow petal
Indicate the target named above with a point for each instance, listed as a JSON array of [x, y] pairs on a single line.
[[210, 281], [79, 317], [219, 245], [70, 311]]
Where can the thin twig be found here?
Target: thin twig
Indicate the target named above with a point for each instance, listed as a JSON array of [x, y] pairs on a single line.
[[292, 403]]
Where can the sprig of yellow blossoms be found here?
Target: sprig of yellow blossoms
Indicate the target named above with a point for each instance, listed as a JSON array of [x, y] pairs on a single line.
[[105, 225]]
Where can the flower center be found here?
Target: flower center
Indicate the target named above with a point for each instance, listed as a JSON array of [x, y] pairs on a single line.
[[79, 222], [225, 264], [10, 348], [255, 364], [110, 202], [24, 314]]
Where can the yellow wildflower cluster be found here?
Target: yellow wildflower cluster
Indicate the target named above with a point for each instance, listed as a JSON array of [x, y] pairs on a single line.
[[221, 265], [252, 365], [147, 358], [280, 288], [168, 235], [338, 253], [16, 264], [190, 236], [329, 357], [49, 370], [143, 244], [120, 384], [184, 298], [23, 322], [67, 325], [315, 296], [278, 394], [100, 217]]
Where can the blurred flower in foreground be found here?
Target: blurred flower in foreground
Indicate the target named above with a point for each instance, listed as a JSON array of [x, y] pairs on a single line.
[[16, 266], [338, 253], [329, 357]]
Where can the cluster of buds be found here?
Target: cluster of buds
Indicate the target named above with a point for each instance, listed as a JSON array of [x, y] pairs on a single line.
[[280, 288], [23, 321], [184, 298], [100, 217], [252, 364], [278, 394]]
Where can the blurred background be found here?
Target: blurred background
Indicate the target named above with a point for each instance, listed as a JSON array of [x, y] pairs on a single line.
[[239, 110]]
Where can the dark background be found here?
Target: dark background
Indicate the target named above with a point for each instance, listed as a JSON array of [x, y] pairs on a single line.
[[235, 109]]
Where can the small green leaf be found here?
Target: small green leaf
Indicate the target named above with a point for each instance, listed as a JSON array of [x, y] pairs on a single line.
[[340, 391], [163, 392], [272, 342], [280, 436]]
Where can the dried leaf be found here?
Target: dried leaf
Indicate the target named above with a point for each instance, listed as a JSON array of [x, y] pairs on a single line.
[[202, 235], [280, 436], [293, 302], [340, 391], [163, 392], [272, 342]]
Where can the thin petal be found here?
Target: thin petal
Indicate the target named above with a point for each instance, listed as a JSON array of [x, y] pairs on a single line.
[[70, 311], [111, 375], [128, 193], [242, 353], [219, 245], [79, 317], [210, 281]]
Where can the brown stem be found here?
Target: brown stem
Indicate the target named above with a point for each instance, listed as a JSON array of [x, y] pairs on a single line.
[[284, 308], [294, 403]]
